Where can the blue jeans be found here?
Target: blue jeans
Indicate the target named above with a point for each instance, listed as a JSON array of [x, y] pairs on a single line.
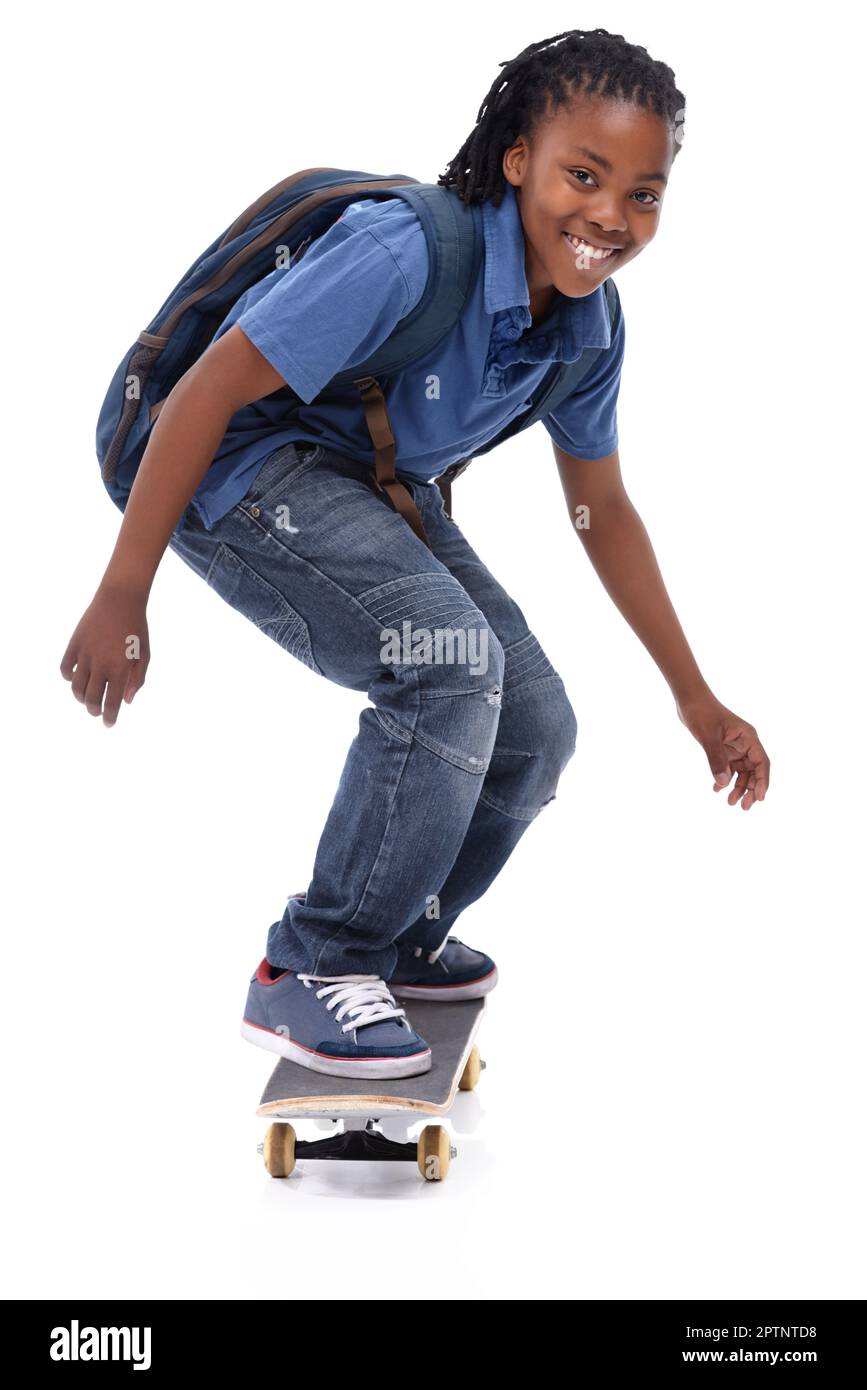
[[469, 725]]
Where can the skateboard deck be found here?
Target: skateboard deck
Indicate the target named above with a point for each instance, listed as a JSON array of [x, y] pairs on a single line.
[[295, 1093]]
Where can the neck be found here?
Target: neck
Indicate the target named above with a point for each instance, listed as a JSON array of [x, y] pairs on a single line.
[[541, 302]]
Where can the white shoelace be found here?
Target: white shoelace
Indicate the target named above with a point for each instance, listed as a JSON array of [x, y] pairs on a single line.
[[366, 998], [433, 956]]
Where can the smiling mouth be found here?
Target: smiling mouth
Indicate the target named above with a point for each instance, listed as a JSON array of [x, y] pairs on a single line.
[[587, 255]]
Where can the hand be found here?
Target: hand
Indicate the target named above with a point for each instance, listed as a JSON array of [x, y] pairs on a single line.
[[108, 652], [731, 745]]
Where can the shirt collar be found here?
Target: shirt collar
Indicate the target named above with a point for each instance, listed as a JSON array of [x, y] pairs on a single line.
[[579, 323]]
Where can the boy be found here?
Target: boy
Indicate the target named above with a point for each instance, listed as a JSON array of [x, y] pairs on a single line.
[[569, 159]]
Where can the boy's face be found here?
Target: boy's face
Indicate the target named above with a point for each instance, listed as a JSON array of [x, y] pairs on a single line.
[[563, 186]]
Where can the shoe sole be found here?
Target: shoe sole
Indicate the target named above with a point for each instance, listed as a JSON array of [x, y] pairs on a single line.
[[350, 1067], [471, 989]]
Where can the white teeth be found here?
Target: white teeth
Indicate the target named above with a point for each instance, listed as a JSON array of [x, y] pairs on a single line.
[[585, 249]]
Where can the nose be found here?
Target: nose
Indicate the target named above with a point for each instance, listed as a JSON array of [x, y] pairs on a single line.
[[607, 222]]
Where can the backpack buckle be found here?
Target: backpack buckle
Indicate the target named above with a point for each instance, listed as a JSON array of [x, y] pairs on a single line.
[[454, 470]]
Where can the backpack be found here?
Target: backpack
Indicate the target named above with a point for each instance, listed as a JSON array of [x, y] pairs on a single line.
[[288, 217]]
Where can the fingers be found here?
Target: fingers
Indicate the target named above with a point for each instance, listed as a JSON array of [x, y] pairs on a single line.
[[739, 787], [755, 767], [737, 748], [750, 796], [753, 771], [94, 692], [107, 656], [719, 764], [134, 680], [102, 693], [122, 686], [113, 699], [762, 777], [67, 664], [761, 767], [80, 678]]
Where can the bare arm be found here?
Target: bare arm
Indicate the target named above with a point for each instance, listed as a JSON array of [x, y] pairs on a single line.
[[180, 450], [619, 548], [620, 551]]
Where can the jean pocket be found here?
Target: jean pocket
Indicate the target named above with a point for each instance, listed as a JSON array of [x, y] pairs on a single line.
[[239, 585], [278, 471]]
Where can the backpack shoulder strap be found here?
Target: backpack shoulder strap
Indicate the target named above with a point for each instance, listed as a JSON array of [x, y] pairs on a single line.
[[455, 242]]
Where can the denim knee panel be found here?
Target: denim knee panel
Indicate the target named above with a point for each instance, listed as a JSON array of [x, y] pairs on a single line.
[[430, 620], [444, 707], [441, 673], [536, 737], [535, 740]]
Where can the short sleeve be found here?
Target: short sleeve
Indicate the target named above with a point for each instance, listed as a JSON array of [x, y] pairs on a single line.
[[585, 424], [343, 299]]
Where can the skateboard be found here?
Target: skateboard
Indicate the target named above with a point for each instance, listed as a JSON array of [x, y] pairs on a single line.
[[295, 1093]]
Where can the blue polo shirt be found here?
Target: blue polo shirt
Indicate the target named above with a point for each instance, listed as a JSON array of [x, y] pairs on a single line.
[[330, 311]]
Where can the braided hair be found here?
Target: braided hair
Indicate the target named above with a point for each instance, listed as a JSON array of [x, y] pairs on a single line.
[[549, 75]]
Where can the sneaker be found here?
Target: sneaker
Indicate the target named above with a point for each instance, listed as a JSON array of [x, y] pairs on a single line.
[[342, 1025], [452, 971]]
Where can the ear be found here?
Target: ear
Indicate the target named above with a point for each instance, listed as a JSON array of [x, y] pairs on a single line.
[[515, 161]]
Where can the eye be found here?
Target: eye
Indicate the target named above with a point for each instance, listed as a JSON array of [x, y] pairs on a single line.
[[643, 191]]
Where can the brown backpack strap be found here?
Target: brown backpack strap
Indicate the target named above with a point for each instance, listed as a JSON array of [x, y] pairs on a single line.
[[447, 477], [379, 425], [445, 486]]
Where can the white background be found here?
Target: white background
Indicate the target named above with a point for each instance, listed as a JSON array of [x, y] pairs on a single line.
[[673, 1105]]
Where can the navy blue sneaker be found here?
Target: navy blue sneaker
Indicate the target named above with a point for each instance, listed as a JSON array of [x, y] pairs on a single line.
[[343, 1025], [452, 971]]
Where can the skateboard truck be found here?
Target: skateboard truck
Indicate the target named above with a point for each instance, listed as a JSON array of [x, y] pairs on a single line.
[[360, 1139]]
